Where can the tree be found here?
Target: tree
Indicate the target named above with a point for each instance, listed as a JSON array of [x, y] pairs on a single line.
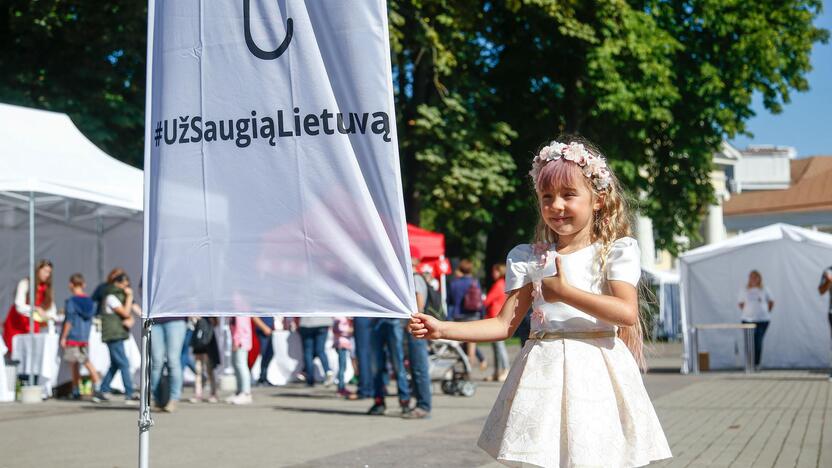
[[82, 58], [480, 85]]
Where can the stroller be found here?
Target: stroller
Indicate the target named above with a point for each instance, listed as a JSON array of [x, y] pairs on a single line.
[[449, 364]]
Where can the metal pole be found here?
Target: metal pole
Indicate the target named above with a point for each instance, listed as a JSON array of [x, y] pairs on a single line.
[[145, 421], [99, 245], [749, 350], [694, 343], [32, 286]]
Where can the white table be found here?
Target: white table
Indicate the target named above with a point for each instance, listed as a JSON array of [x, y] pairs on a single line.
[[748, 334], [6, 386], [37, 354]]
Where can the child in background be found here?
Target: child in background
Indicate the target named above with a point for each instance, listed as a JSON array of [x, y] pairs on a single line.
[[342, 329], [206, 357], [75, 336], [240, 346]]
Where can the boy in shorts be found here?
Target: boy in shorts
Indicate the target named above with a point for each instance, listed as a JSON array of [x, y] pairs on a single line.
[[75, 336]]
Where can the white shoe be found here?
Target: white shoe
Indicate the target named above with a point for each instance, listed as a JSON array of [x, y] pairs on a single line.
[[241, 399], [330, 379]]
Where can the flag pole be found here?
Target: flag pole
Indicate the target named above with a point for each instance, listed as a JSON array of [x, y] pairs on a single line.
[[145, 421]]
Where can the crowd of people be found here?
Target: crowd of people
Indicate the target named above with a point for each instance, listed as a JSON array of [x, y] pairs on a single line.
[[378, 349]]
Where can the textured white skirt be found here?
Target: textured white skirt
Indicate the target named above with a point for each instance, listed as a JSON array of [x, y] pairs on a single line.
[[574, 403]]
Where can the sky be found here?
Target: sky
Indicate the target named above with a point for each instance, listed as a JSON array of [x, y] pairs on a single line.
[[806, 122]]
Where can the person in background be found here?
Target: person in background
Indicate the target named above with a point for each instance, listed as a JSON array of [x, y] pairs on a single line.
[[493, 304], [362, 330], [263, 327], [240, 346], [342, 329], [755, 303], [313, 334], [75, 336], [17, 320], [206, 357], [417, 351], [115, 323], [824, 287], [464, 284]]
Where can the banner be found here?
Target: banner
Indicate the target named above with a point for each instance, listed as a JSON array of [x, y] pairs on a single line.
[[272, 174]]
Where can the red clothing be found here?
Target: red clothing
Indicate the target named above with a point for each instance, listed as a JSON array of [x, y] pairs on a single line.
[[495, 298], [17, 323]]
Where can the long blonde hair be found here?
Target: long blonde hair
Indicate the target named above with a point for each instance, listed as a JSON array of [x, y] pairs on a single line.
[[609, 223]]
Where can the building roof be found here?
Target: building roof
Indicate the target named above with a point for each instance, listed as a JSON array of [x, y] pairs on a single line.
[[810, 190]]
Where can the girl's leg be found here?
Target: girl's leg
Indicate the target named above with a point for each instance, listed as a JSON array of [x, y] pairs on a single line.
[[242, 372]]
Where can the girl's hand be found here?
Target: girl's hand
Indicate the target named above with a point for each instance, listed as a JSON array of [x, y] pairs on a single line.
[[424, 326], [555, 287]]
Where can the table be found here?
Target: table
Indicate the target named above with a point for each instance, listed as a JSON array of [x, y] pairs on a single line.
[[37, 354], [748, 332]]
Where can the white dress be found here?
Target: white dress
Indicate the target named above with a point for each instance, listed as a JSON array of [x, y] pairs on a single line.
[[574, 402]]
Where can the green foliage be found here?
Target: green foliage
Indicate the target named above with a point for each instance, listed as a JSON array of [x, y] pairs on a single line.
[[82, 58], [480, 85]]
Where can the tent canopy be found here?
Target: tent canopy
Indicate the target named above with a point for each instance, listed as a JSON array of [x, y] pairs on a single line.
[[791, 261], [431, 245], [87, 204]]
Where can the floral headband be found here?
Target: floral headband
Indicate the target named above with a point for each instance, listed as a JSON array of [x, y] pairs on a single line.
[[593, 167]]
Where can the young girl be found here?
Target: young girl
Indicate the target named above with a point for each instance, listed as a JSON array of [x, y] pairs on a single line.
[[240, 346], [574, 396], [342, 329]]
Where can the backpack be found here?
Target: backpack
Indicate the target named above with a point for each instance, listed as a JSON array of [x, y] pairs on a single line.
[[202, 336], [472, 302], [433, 303]]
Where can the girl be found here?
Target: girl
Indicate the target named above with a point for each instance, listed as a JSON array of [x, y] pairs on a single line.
[[755, 303], [17, 320], [240, 346], [342, 329], [574, 396]]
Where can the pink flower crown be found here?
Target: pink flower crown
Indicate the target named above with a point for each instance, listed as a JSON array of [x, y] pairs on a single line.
[[593, 167]]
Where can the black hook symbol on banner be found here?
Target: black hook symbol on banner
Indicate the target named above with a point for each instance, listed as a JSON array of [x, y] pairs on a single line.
[[258, 52]]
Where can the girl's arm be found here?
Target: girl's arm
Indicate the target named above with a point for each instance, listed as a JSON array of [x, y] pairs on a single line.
[[498, 328], [620, 308]]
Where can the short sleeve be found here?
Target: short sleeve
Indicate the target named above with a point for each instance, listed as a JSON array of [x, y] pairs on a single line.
[[624, 261], [769, 297], [517, 265], [112, 303]]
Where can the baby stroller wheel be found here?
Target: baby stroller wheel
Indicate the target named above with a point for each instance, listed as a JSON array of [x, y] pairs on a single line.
[[467, 388], [448, 387]]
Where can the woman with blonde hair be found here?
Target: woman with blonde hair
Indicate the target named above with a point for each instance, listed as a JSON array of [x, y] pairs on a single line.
[[755, 303]]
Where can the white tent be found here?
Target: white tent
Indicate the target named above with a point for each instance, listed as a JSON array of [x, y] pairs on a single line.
[[88, 205], [669, 325], [791, 261]]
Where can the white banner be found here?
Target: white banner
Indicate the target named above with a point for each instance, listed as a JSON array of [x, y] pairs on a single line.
[[272, 171]]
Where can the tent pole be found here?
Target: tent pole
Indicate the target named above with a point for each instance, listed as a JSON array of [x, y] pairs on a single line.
[[99, 246], [32, 283], [145, 421]]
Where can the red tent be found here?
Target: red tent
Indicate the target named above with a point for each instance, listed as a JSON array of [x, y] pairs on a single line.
[[431, 245]]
